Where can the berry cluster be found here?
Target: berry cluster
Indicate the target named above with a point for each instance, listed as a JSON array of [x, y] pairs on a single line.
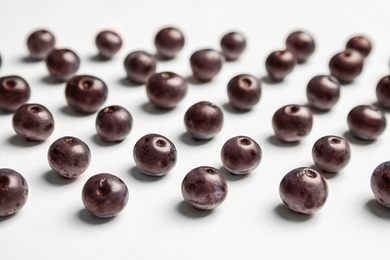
[[303, 189]]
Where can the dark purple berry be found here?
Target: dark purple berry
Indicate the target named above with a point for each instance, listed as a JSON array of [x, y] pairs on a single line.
[[279, 64], [155, 155], [331, 153], [13, 192], [361, 44], [366, 122], [383, 92], [303, 190], [14, 92], [108, 43], [139, 66], [233, 44], [105, 195], [380, 183], [113, 123], [40, 43], [292, 123], [62, 63], [323, 92], [69, 157], [301, 44], [166, 89], [169, 41], [33, 122], [241, 155], [205, 64], [85, 93], [204, 188], [244, 92], [203, 120], [346, 65]]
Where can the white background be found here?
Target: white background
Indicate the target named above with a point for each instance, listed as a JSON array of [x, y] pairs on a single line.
[[156, 224]]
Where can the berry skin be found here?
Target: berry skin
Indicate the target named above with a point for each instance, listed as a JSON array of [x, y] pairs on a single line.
[[69, 157], [204, 188], [14, 92], [155, 155], [303, 190], [13, 192], [240, 155], [105, 195]]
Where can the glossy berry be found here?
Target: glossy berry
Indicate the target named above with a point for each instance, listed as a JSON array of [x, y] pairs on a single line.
[[303, 190], [361, 44], [14, 92], [279, 64], [346, 65], [108, 43], [366, 122], [233, 44], [244, 92], [113, 123], [383, 91], [323, 92], [69, 157], [169, 41], [62, 63], [166, 89], [380, 183], [241, 155], [301, 44], [155, 155], [105, 195], [13, 192], [292, 123], [40, 43], [33, 122], [203, 120], [205, 64], [204, 188], [85, 93], [139, 66], [331, 153]]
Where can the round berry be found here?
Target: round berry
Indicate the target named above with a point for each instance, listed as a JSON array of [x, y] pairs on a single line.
[[166, 89], [13, 192], [366, 122], [323, 92], [108, 43], [383, 91], [279, 64], [62, 63], [85, 93], [205, 64], [69, 157], [113, 123], [241, 155], [380, 183], [361, 44], [346, 65], [169, 41], [139, 66], [233, 44], [203, 120], [244, 92], [40, 43], [105, 195], [292, 123], [155, 155], [303, 190], [33, 122], [301, 44], [14, 92], [204, 188], [331, 153]]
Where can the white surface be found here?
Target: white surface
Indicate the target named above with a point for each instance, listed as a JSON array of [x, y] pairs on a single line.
[[252, 223]]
